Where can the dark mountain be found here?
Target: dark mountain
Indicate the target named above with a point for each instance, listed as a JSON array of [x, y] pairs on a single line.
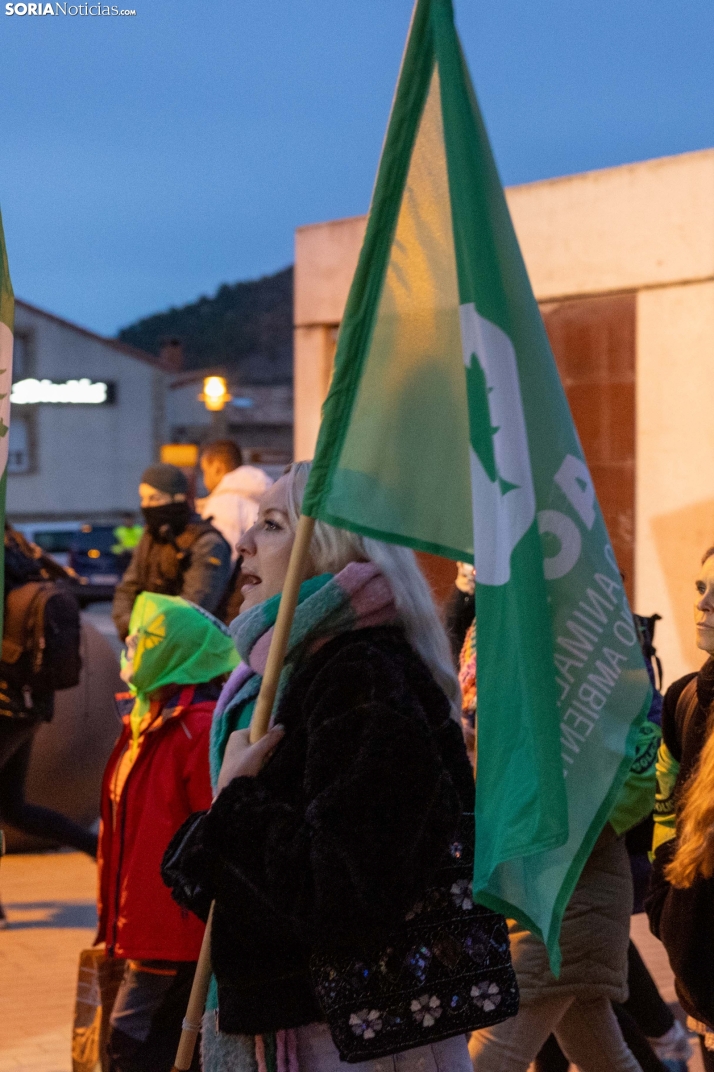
[[245, 327]]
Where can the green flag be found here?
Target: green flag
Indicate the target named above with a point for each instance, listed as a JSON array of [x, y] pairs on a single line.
[[447, 429], [7, 318]]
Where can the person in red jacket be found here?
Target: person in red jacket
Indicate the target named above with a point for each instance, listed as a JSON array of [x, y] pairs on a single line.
[[177, 656]]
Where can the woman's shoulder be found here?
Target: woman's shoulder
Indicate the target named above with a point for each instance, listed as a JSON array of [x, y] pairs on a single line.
[[677, 687], [377, 648], [671, 727], [378, 660], [199, 712]]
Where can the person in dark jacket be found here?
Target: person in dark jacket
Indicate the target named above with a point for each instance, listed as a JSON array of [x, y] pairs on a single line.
[[325, 833], [680, 905], [177, 659], [24, 707], [179, 553]]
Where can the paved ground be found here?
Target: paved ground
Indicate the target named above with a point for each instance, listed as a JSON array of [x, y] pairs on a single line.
[[100, 615], [50, 904]]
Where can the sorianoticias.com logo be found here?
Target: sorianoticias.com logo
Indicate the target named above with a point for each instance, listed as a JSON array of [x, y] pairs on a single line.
[[66, 9]]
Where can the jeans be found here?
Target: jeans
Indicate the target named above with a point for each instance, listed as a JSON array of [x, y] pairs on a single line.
[[145, 1024], [587, 1031]]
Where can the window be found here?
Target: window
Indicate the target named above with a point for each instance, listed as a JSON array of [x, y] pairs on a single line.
[[18, 459], [20, 357]]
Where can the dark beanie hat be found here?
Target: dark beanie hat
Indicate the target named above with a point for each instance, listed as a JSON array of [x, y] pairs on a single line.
[[166, 478]]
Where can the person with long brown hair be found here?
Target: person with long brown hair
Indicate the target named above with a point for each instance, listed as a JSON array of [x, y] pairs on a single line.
[[681, 901]]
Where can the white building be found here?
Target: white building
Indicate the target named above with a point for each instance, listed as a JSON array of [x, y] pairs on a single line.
[[79, 459]]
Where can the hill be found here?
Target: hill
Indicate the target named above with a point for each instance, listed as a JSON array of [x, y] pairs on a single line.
[[246, 327]]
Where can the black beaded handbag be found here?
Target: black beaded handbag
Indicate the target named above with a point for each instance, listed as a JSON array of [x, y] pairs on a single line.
[[445, 972]]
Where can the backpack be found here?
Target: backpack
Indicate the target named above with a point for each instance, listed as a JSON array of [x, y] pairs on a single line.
[[177, 558], [41, 628], [162, 563], [645, 633], [638, 839]]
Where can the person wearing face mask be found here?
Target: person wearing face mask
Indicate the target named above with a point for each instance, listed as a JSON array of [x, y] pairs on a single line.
[[179, 554], [680, 904]]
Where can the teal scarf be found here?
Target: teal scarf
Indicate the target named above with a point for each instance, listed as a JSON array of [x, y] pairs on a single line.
[[237, 700]]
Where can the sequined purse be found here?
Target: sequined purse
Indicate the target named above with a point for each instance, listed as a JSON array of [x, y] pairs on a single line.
[[446, 971]]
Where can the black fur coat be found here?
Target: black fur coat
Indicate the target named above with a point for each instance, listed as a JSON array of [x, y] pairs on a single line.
[[335, 839]]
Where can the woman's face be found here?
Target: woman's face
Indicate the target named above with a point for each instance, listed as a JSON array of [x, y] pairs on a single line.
[[266, 548], [704, 607]]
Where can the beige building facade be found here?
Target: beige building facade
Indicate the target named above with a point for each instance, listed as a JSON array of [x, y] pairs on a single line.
[[622, 265], [79, 457]]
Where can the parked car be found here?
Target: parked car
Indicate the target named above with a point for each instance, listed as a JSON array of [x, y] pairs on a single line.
[[54, 538], [86, 549], [91, 555]]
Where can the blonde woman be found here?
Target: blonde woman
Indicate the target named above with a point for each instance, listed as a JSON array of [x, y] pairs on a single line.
[[336, 848], [681, 902]]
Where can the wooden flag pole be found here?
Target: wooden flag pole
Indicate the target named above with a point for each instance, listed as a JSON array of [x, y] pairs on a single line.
[[196, 1002], [259, 725]]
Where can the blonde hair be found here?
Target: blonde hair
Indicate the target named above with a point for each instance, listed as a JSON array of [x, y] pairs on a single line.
[[694, 854], [332, 549]]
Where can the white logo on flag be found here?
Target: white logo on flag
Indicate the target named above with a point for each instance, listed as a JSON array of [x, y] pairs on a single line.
[[503, 509]]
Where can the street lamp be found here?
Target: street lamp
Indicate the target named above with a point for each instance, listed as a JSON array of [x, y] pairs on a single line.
[[215, 393], [215, 397]]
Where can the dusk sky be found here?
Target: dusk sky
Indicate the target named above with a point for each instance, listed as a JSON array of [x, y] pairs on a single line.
[[146, 160]]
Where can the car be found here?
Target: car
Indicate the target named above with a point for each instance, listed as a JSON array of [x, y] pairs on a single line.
[[54, 538], [91, 555], [83, 549]]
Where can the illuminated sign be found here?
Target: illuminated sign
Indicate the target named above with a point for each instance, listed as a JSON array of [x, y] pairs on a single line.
[[74, 392]]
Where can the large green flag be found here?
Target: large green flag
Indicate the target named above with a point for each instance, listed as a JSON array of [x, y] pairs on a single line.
[[7, 317], [447, 429]]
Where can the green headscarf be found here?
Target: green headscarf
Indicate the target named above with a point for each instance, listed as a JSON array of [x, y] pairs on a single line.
[[179, 644]]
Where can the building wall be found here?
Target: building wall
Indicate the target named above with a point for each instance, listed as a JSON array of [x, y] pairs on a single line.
[[622, 263], [87, 459], [593, 341], [675, 445]]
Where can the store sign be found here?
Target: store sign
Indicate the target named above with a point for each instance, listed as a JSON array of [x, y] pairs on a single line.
[[73, 392]]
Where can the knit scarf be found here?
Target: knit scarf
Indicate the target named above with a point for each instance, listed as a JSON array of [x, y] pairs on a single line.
[[328, 605], [357, 597]]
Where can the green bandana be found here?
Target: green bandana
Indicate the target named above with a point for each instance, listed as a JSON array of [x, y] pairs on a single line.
[[178, 644]]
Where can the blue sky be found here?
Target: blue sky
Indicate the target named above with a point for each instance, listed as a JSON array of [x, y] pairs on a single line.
[[146, 160]]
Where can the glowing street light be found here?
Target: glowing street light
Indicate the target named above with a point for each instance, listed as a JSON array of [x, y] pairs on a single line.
[[215, 393]]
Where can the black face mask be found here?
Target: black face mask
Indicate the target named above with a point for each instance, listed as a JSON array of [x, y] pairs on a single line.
[[167, 521]]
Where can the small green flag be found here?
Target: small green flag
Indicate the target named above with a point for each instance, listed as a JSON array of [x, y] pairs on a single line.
[[7, 319], [447, 429]]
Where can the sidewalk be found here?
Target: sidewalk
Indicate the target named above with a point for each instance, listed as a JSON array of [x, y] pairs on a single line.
[[50, 903]]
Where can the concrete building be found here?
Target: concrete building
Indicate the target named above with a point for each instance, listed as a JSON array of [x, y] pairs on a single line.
[[622, 264], [87, 418]]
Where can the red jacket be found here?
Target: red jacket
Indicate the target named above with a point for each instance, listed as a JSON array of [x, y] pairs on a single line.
[[169, 780]]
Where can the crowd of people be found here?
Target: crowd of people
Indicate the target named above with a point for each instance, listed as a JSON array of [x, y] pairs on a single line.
[[335, 854]]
